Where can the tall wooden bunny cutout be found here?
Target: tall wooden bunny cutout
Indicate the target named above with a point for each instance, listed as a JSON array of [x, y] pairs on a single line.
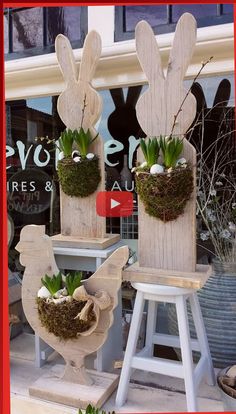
[[170, 245], [79, 222]]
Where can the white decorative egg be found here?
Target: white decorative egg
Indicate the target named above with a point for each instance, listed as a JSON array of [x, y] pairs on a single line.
[[131, 260], [144, 164], [77, 159], [156, 169], [181, 161], [90, 156], [61, 155], [43, 292], [75, 152]]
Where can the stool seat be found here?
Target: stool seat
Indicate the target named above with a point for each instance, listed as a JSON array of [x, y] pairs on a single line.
[[146, 361], [161, 289]]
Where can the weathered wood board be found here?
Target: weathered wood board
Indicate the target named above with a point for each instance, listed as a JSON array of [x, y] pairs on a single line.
[[78, 215], [193, 280], [36, 254], [170, 245], [50, 387], [85, 242]]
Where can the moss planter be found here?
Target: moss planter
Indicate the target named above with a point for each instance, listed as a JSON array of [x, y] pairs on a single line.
[[59, 319], [79, 179], [165, 195]]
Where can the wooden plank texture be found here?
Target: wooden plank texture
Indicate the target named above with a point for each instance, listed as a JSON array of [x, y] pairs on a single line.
[[36, 254], [60, 240], [193, 280], [50, 387], [170, 245], [78, 215]]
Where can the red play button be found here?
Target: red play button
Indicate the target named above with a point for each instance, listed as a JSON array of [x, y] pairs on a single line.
[[114, 203]]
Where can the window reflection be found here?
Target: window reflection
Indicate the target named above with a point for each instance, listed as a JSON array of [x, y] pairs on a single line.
[[64, 20], [6, 37], [27, 28], [31, 164], [198, 10], [154, 15]]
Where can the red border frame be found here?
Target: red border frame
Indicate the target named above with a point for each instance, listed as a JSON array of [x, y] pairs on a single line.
[[4, 327]]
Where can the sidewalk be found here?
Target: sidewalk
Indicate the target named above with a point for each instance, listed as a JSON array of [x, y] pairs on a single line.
[[148, 392]]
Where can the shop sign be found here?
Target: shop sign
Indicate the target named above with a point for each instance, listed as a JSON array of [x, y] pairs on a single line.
[[30, 191]]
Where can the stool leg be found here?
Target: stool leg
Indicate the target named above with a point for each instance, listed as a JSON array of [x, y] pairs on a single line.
[[151, 326], [202, 337], [130, 349], [186, 353]]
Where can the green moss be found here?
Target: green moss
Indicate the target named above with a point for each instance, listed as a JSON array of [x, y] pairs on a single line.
[[165, 195], [59, 318], [79, 179]]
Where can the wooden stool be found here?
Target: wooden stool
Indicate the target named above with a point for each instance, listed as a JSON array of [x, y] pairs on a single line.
[[144, 360]]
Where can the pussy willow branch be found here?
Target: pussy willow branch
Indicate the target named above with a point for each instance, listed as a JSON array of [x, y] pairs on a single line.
[[83, 111], [188, 92]]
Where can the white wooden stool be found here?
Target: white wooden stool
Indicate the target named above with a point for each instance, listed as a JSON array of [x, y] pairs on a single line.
[[144, 360]]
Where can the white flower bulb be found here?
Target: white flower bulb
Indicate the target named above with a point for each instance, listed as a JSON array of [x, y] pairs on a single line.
[[43, 292]]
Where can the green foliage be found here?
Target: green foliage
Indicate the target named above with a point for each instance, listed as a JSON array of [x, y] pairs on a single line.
[[53, 284], [171, 149], [83, 140], [72, 282], [79, 179], [150, 150], [92, 410], [66, 142], [165, 196]]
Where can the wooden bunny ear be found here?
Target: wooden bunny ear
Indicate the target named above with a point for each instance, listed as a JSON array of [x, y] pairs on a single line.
[[66, 58], [148, 51], [91, 53], [183, 46], [222, 94]]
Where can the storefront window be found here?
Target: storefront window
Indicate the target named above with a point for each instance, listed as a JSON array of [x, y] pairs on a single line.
[[32, 183], [32, 30], [163, 19]]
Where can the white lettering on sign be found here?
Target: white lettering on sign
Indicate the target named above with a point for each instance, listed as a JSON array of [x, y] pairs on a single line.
[[37, 161], [10, 152], [21, 149], [20, 186], [110, 147], [133, 144]]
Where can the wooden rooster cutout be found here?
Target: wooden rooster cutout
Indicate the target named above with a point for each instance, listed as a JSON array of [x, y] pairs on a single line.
[[36, 254], [79, 220], [170, 245]]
